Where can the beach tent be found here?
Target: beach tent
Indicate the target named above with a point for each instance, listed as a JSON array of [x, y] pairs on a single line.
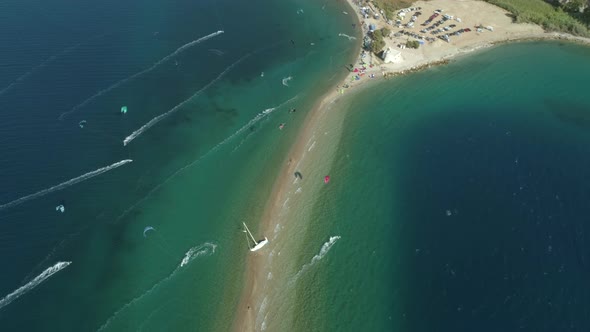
[[372, 27]]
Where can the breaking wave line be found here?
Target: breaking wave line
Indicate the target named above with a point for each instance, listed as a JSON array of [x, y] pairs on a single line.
[[33, 283], [323, 251], [250, 123], [206, 248], [123, 81], [66, 184], [160, 117], [347, 36], [44, 63]]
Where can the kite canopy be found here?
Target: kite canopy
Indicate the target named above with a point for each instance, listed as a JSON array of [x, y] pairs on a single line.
[[326, 179], [123, 109], [148, 228]]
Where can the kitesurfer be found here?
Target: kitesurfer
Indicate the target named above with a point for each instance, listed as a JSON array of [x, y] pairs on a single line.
[[148, 228], [282, 126], [61, 208]]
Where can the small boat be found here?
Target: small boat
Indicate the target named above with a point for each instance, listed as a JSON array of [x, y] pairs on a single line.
[[257, 244]]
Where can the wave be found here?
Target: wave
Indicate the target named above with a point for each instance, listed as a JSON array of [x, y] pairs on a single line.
[[250, 123], [66, 184], [194, 252], [206, 248], [44, 63], [216, 51], [160, 117], [347, 36], [33, 283], [125, 80], [323, 252], [286, 80]]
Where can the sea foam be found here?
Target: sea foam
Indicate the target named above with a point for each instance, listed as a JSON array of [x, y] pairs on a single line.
[[127, 79], [323, 252], [205, 249], [33, 283], [66, 184], [250, 123], [162, 116]]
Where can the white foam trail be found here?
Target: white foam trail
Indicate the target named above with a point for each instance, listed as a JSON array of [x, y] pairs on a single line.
[[125, 80], [323, 251], [66, 184], [160, 117], [311, 147], [216, 51], [206, 248], [286, 80], [347, 36], [44, 63], [194, 252], [250, 123], [33, 283]]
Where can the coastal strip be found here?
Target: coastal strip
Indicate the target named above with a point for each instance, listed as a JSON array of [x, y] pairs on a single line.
[[265, 286]]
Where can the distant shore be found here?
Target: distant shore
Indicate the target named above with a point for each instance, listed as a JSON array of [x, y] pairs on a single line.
[[438, 52]]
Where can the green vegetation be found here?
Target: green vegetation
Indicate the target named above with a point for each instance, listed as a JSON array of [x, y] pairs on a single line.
[[390, 7], [378, 42], [551, 18], [412, 44], [385, 32]]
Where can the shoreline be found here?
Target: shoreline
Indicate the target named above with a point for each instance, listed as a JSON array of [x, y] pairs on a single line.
[[252, 301]]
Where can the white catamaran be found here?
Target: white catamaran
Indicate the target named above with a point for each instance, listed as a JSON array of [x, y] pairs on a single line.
[[257, 245]]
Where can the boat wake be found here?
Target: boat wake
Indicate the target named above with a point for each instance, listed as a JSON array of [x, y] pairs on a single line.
[[286, 80], [347, 36], [258, 118], [125, 80], [160, 117], [205, 249], [44, 63], [201, 250], [216, 51], [33, 283], [250, 123], [323, 252], [66, 184]]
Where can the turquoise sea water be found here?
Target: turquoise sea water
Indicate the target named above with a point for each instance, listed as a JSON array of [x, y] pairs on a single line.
[[195, 175], [461, 198]]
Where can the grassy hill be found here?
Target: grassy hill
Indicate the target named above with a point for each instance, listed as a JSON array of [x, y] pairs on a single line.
[[551, 18]]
